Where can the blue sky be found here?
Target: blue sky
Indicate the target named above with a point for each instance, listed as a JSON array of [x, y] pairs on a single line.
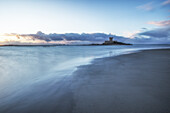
[[119, 17]]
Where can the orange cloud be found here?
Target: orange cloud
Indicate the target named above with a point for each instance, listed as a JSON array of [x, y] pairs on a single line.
[[160, 23]]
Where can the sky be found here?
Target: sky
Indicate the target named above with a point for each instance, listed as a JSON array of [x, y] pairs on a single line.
[[59, 21]]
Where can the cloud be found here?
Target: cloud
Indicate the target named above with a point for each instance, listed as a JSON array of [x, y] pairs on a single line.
[[166, 2], [131, 35], [155, 5], [41, 36], [146, 7], [144, 36], [71, 37], [155, 36], [160, 23], [158, 33]]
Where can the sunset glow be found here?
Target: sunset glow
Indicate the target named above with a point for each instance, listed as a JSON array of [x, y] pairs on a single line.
[[128, 19]]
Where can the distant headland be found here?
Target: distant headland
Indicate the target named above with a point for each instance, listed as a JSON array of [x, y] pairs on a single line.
[[112, 42]]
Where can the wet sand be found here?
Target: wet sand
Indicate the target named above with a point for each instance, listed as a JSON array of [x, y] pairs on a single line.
[[132, 83]]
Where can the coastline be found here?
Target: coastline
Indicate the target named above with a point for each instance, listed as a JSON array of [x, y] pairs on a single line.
[[138, 82], [130, 83]]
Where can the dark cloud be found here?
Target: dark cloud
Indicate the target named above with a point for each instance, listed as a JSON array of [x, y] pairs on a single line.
[[156, 36], [157, 33], [93, 37], [144, 28]]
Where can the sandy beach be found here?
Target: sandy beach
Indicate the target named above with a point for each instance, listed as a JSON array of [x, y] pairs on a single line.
[[131, 83]]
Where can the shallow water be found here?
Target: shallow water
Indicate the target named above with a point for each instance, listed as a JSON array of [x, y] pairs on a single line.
[[31, 75]]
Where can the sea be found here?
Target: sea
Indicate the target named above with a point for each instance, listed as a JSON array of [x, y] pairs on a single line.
[[34, 71]]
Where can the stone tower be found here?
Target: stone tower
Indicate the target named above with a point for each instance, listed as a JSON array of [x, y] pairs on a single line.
[[110, 39]]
